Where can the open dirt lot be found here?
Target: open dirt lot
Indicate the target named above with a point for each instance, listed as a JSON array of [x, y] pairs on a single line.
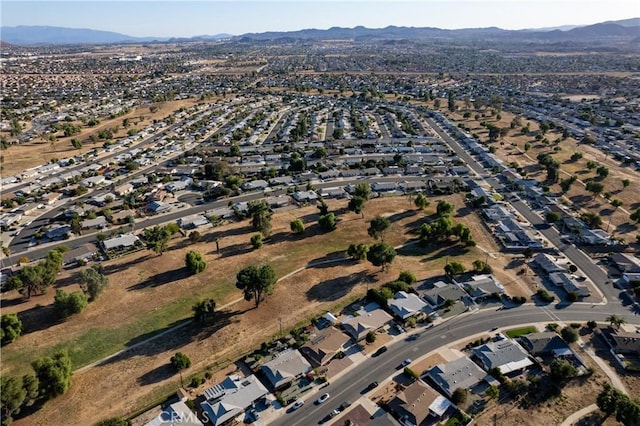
[[148, 292]]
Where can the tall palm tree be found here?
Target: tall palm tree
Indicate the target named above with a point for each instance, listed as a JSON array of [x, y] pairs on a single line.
[[616, 321]]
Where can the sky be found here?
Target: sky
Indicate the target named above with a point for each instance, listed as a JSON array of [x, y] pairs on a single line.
[[158, 18]]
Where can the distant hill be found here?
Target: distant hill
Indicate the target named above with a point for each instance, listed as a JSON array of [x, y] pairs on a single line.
[[627, 29], [44, 35]]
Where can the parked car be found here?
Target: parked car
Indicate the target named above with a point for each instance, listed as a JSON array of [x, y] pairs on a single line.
[[407, 362], [344, 406], [371, 386], [322, 398]]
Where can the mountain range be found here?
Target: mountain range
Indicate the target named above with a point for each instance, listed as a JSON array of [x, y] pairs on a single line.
[[628, 29]]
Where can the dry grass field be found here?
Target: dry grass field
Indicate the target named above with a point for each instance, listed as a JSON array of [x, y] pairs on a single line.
[[148, 292]]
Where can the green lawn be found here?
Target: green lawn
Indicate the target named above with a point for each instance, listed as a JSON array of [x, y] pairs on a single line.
[[517, 332]]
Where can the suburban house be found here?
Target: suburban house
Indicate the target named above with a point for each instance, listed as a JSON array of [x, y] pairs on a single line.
[[254, 185], [368, 319], [99, 222], [193, 221], [323, 345], [120, 242], [232, 397], [506, 355], [543, 344], [420, 405], [406, 304], [80, 254], [546, 263], [176, 414], [441, 292], [461, 373], [62, 231], [481, 286], [285, 367], [305, 196], [158, 207], [179, 185], [123, 189], [625, 343], [570, 285], [628, 264]]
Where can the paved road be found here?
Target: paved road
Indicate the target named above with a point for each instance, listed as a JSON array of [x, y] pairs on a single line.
[[581, 260], [349, 386], [19, 247]]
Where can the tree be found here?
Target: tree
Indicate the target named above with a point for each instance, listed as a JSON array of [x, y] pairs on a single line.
[[454, 268], [628, 411], [481, 267], [615, 321], [381, 254], [552, 217], [358, 251], [635, 215], [407, 277], [93, 281], [421, 201], [459, 396], [356, 204], [607, 400], [195, 262], [297, 226], [11, 328], [594, 187], [157, 238], [363, 189], [593, 220], [204, 311], [371, 337], [260, 217], [493, 392], [569, 334], [53, 374], [180, 361], [378, 226], [327, 222], [625, 183], [451, 101], [256, 282], [194, 237], [602, 172], [444, 208], [256, 241], [16, 393], [66, 304]]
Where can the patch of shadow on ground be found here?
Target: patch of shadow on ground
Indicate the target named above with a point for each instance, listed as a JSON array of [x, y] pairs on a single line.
[[161, 278], [336, 288]]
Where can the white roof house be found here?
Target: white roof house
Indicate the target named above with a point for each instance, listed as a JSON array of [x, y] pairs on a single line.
[[460, 373], [176, 414], [232, 397], [406, 304], [286, 366], [121, 241], [507, 355]]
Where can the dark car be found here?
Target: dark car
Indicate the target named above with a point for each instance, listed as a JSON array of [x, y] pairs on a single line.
[[371, 386], [380, 351], [344, 406]]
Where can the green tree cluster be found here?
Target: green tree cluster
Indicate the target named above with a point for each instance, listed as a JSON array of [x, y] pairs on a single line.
[[381, 254], [612, 400], [357, 251]]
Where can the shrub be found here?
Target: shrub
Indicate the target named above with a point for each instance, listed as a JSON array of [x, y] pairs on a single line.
[[180, 361], [371, 337], [66, 304], [256, 241], [569, 334], [409, 372], [592, 324]]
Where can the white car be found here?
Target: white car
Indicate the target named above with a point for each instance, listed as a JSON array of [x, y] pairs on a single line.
[[322, 398], [407, 362], [299, 403]]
